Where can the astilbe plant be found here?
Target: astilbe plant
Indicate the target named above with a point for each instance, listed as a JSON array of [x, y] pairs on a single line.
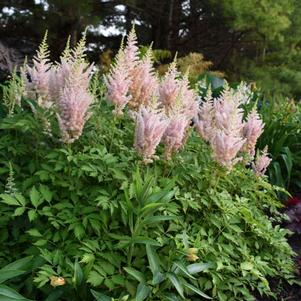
[[188, 98], [261, 162], [174, 135], [169, 104], [63, 87], [169, 87], [37, 86], [131, 51], [252, 130], [204, 122], [150, 127], [144, 85], [165, 232], [220, 122], [118, 84], [180, 106]]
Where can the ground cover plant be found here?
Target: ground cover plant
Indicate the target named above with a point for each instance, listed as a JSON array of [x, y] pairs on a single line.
[[130, 189]]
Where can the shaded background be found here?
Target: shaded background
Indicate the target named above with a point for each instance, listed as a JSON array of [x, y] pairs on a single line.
[[254, 40]]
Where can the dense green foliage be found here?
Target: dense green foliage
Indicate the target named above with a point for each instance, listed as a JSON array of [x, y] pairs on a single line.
[[93, 214], [282, 133]]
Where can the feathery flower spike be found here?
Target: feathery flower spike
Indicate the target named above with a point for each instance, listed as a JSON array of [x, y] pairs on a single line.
[[252, 130], [144, 83], [150, 127], [261, 163]]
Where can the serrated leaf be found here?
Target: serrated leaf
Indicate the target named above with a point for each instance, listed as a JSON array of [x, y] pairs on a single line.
[[87, 258], [34, 233], [19, 211], [99, 296], [9, 200], [95, 279], [32, 214], [107, 267], [118, 279], [35, 197], [79, 231], [46, 193], [20, 199]]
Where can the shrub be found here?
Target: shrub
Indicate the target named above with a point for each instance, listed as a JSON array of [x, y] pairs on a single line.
[[102, 224]]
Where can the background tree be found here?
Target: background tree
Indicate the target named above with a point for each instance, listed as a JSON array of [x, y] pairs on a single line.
[[254, 40]]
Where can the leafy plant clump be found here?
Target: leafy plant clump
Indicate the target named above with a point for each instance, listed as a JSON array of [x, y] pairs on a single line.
[[102, 225]]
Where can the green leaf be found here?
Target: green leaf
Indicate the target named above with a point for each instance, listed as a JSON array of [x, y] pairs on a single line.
[[32, 214], [8, 294], [79, 231], [107, 267], [35, 197], [40, 242], [19, 211], [143, 292], [20, 199], [99, 296], [95, 279], [163, 196], [247, 266], [19, 264], [34, 233], [9, 200], [195, 268], [136, 274], [158, 278], [9, 274], [197, 291], [158, 218], [183, 269], [78, 274], [151, 206], [176, 283], [46, 193], [153, 259]]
